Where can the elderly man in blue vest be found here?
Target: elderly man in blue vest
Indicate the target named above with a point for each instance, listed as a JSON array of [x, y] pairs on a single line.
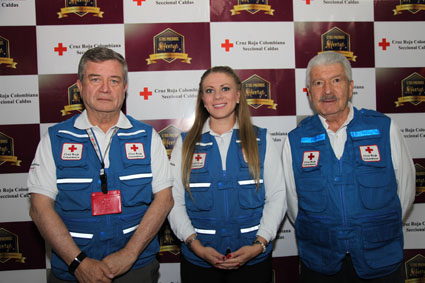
[[100, 183], [350, 180]]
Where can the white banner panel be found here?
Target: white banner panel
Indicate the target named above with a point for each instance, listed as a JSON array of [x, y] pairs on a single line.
[[277, 126], [414, 228], [165, 11], [169, 273], [60, 50], [413, 128], [175, 97], [10, 8], [364, 92], [19, 100], [398, 44], [333, 10], [14, 198], [285, 243], [265, 45], [31, 275]]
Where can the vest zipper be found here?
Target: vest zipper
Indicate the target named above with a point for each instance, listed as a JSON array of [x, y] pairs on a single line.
[[344, 216], [108, 243], [226, 212]]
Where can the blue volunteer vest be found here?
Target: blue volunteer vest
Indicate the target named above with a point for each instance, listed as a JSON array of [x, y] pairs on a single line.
[[77, 173], [347, 205], [226, 207]]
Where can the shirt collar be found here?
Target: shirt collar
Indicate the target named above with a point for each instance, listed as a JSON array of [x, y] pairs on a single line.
[[206, 128], [82, 122], [347, 121]]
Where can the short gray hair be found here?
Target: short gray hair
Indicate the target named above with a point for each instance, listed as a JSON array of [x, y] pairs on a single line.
[[101, 54], [328, 58]]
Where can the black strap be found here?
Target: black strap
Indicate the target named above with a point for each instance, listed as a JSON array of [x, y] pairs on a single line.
[[76, 262]]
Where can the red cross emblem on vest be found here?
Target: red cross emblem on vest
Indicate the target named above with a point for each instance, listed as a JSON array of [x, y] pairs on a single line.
[[198, 160], [310, 159], [134, 150], [370, 153], [72, 151]]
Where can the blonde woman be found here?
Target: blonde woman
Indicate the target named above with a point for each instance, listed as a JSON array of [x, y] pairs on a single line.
[[228, 188]]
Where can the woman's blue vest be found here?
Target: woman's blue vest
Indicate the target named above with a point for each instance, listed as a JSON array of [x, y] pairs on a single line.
[[348, 205], [78, 177], [226, 206]]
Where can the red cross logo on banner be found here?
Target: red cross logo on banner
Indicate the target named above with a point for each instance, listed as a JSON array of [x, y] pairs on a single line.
[[72, 151], [384, 44], [198, 160], [134, 150], [307, 2], [60, 49], [139, 2], [227, 45], [310, 159], [145, 93], [370, 153]]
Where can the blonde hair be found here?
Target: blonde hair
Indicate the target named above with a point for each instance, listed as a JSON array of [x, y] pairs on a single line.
[[247, 133]]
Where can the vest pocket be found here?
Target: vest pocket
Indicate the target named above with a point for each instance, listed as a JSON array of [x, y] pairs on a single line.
[[375, 191], [383, 244], [249, 195], [314, 245], [74, 193], [202, 197], [248, 228], [85, 237], [136, 188], [311, 194]]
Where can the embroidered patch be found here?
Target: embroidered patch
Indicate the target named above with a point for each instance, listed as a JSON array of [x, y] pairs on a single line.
[[370, 153], [72, 151], [134, 150], [311, 159], [198, 160]]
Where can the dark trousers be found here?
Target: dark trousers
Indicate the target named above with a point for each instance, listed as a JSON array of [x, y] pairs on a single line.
[[347, 274], [256, 273], [146, 274]]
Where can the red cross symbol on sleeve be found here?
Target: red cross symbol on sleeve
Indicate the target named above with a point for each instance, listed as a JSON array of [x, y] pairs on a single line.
[[134, 147], [311, 156], [198, 157], [369, 150]]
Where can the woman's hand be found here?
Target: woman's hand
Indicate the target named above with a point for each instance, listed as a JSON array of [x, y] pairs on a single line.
[[208, 254], [240, 257]]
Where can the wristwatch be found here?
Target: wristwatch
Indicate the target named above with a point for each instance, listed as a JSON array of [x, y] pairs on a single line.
[[260, 243]]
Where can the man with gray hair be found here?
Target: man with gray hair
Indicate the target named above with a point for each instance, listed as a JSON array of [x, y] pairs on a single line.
[[350, 181], [100, 183]]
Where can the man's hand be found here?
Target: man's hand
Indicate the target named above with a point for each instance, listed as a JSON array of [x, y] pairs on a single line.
[[91, 270], [119, 262]]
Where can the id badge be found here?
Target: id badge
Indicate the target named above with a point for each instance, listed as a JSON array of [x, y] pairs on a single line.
[[109, 203]]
